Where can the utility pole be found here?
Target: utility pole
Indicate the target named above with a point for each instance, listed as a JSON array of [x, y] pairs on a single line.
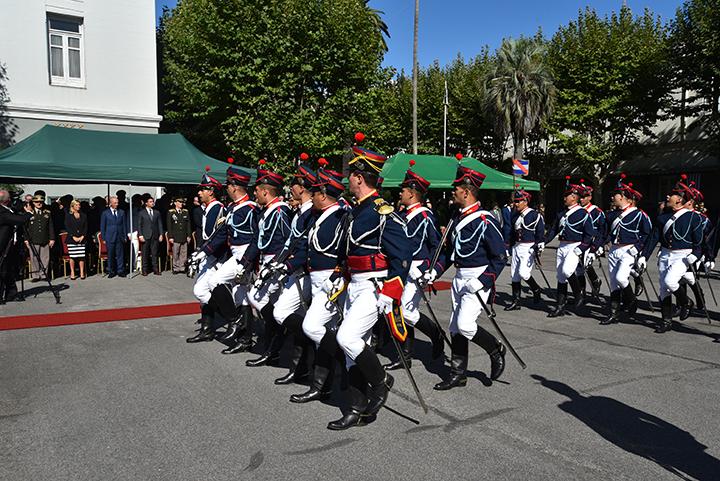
[[415, 76], [446, 103]]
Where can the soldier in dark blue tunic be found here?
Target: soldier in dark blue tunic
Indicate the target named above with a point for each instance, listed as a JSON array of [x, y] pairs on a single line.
[[597, 248], [424, 238], [574, 228], [680, 233], [477, 249]]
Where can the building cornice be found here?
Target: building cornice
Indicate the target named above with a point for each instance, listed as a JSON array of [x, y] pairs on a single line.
[[82, 116]]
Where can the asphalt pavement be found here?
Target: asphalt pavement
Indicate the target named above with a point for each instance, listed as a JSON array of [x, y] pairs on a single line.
[[131, 400]]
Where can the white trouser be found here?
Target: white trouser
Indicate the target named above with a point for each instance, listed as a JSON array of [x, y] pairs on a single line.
[[268, 292], [522, 261], [293, 297], [620, 263], [359, 314], [206, 270], [673, 268], [410, 299], [134, 252], [225, 274], [466, 308], [566, 261], [321, 310]]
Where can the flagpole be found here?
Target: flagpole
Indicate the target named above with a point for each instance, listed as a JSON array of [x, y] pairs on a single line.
[[445, 113]]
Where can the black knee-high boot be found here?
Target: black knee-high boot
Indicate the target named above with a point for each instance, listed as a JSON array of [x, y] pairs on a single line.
[[559, 309], [494, 348], [431, 330], [274, 338], [666, 315], [207, 333], [629, 300], [301, 347], [379, 382], [595, 281], [614, 315], [683, 301], [536, 290], [577, 284], [458, 364], [516, 293], [244, 340], [699, 299], [323, 370], [357, 402], [406, 349]]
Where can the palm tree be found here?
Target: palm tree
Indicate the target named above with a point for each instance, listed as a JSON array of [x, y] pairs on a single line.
[[376, 19], [519, 92]]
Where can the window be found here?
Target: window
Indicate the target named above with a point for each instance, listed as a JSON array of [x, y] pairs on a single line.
[[65, 44]]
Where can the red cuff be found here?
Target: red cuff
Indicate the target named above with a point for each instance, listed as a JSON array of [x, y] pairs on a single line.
[[393, 288]]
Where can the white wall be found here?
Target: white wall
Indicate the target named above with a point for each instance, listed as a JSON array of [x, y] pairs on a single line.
[[119, 63]]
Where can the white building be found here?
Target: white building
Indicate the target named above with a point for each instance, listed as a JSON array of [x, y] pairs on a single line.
[[86, 64]]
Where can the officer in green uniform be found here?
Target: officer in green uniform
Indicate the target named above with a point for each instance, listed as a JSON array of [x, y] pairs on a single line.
[[41, 234], [178, 234]]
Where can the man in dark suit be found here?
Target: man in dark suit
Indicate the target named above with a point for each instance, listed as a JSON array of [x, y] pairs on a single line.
[[150, 234], [114, 231]]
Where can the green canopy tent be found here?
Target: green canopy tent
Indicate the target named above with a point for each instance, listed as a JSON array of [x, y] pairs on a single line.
[[62, 155], [440, 171]]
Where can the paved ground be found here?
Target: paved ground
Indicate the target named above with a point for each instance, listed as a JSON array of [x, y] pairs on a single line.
[[132, 401]]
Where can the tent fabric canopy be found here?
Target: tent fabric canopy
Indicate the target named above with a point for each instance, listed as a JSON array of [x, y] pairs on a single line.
[[63, 155], [440, 171]]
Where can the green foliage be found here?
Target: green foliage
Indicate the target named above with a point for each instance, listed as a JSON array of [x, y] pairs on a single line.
[[612, 75], [254, 78]]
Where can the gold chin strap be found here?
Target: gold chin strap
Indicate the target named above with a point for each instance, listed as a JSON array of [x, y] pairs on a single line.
[[369, 162]]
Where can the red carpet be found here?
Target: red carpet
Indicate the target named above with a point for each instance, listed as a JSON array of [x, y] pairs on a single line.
[[109, 315]]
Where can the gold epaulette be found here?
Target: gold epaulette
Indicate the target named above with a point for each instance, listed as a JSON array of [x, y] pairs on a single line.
[[382, 207]]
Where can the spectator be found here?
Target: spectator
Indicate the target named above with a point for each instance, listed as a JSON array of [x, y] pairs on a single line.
[[178, 233], [76, 224], [28, 199], [40, 238], [122, 200], [114, 231], [150, 234]]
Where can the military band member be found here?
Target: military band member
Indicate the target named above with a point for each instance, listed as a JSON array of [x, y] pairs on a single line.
[[378, 257], [273, 230], [324, 243], [289, 309], [39, 232], [207, 254], [597, 247], [680, 233], [476, 248], [628, 229], [574, 228], [178, 234], [707, 257], [238, 232], [526, 238], [424, 239]]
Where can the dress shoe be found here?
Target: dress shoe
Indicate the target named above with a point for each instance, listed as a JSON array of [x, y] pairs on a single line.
[[122, 274], [292, 377], [242, 346], [349, 420], [686, 310], [663, 326], [497, 362], [144, 273], [111, 275], [205, 335], [455, 380], [267, 359], [314, 394], [395, 365]]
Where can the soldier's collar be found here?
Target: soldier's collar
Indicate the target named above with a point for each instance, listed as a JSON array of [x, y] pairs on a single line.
[[364, 198], [470, 209]]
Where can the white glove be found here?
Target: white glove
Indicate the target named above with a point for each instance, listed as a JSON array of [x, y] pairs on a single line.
[[601, 250], [239, 271], [384, 304], [265, 271], [641, 263], [709, 265], [429, 276], [589, 258], [328, 286], [632, 251], [578, 251], [278, 267], [540, 247], [198, 257], [689, 259], [472, 286], [415, 273]]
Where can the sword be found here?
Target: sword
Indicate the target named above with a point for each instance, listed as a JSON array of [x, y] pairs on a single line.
[[491, 315], [607, 283], [402, 358], [707, 278], [647, 296], [652, 285], [434, 317], [542, 273], [702, 294]]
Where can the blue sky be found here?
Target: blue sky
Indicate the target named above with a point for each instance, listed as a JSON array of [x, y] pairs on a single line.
[[449, 27]]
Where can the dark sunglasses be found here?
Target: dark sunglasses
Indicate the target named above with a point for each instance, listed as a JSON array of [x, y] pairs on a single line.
[[517, 201]]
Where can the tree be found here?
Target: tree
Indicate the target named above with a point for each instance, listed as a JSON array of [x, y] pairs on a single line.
[[8, 129], [520, 91], [254, 78], [612, 76]]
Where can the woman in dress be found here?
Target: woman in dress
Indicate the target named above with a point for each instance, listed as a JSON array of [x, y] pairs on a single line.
[[77, 226]]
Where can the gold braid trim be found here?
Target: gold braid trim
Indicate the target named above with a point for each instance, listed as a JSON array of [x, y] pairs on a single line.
[[369, 162]]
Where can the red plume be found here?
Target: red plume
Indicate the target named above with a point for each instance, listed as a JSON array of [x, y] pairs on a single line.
[[359, 137], [517, 185], [304, 156], [567, 177], [207, 168], [582, 181], [630, 184], [230, 160], [622, 176], [322, 161], [262, 161], [412, 162], [459, 156], [683, 176]]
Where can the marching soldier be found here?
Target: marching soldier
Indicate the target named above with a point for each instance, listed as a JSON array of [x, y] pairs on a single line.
[[207, 254], [178, 234], [272, 232], [680, 233], [707, 255], [598, 218], [378, 257], [289, 310], [526, 238], [424, 239], [323, 246], [477, 250], [574, 228], [628, 230], [238, 231], [39, 232]]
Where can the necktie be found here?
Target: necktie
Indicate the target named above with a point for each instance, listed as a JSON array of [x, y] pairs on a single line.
[[114, 213]]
